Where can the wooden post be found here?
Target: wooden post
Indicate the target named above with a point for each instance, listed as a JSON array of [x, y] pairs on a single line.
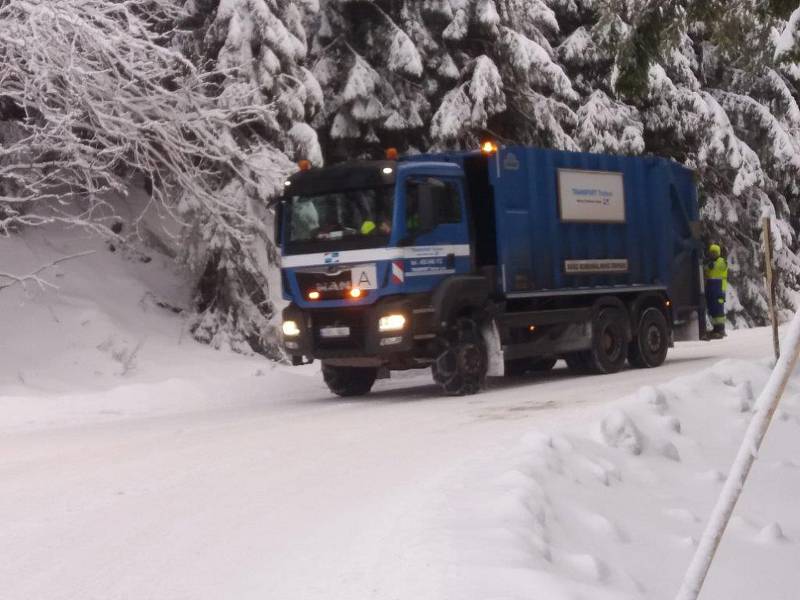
[[771, 285]]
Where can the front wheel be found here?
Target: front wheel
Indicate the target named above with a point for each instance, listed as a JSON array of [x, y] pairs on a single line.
[[349, 381], [651, 342], [460, 369]]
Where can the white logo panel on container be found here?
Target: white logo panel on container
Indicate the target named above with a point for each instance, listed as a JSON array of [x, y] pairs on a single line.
[[426, 251], [591, 196]]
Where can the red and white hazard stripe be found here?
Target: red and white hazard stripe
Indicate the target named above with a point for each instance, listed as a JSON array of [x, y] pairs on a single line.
[[398, 272]]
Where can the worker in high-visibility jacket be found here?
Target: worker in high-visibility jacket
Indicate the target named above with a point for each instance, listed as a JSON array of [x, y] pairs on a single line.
[[716, 276], [369, 227]]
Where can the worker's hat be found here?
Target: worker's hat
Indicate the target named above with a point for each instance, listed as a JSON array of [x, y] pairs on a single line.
[[714, 250]]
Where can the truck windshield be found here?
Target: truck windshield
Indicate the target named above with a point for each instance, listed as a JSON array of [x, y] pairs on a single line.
[[339, 220]]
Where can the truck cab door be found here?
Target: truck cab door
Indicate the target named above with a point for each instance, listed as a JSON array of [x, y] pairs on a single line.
[[434, 224]]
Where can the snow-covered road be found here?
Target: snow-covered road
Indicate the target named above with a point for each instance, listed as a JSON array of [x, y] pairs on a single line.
[[272, 488], [137, 464]]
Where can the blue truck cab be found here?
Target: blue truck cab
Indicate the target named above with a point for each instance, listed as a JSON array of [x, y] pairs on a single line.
[[490, 262]]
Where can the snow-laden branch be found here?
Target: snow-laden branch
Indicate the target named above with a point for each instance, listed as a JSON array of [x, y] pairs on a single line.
[[95, 92], [787, 45], [34, 275]]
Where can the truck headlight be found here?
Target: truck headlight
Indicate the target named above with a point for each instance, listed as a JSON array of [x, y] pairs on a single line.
[[290, 329], [391, 323]]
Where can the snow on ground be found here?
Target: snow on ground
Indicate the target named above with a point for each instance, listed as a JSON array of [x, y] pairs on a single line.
[[612, 506], [136, 463], [106, 343]]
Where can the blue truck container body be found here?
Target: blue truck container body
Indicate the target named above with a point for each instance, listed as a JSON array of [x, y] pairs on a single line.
[[451, 260], [533, 241]]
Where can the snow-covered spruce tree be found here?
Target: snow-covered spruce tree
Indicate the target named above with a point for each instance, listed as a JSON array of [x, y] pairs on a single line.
[[511, 84], [439, 73], [699, 77], [787, 46], [94, 94], [256, 50], [379, 64], [760, 103]]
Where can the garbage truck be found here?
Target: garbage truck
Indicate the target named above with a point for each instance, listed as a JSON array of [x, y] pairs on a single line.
[[490, 262]]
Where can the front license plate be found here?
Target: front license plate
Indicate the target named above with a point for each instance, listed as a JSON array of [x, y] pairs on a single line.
[[334, 332]]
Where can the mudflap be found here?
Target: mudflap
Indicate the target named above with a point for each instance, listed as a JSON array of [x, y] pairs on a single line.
[[494, 349], [689, 331]]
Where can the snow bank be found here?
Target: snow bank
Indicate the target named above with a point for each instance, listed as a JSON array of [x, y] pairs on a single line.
[[613, 506], [106, 339]]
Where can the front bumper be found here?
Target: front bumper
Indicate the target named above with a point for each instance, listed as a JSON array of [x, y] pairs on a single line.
[[363, 339]]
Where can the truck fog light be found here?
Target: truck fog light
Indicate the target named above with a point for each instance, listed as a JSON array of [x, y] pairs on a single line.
[[290, 329], [292, 345], [391, 323], [390, 341]]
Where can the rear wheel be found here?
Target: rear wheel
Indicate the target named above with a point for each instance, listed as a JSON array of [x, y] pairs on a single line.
[[609, 344], [651, 342], [460, 369], [349, 381]]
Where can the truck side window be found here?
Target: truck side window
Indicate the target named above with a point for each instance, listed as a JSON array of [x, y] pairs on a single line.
[[444, 195]]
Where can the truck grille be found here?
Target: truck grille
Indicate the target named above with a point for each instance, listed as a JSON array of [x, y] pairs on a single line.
[[331, 286], [339, 318]]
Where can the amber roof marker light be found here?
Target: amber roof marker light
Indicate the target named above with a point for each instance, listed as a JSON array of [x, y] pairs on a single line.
[[488, 147], [305, 165], [391, 154]]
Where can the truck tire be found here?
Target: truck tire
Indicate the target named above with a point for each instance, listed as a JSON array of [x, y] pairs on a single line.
[[520, 366], [609, 344], [349, 381], [460, 369], [649, 346]]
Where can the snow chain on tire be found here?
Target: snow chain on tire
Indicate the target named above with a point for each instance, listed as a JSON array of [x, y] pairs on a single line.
[[460, 368]]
